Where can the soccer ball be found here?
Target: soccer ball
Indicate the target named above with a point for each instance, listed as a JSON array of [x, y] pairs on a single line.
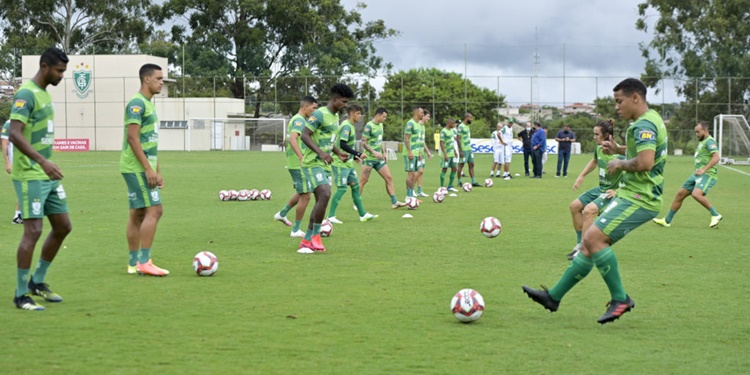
[[467, 305], [224, 195], [254, 194], [326, 228], [437, 197], [491, 227], [265, 194], [412, 203], [205, 263], [243, 195], [443, 191], [233, 194], [467, 187], [488, 182]]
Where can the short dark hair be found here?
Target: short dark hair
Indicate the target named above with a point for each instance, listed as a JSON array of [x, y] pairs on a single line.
[[449, 120], [354, 108], [417, 108], [426, 112], [307, 100], [703, 124], [341, 90], [536, 123], [53, 56], [380, 110], [467, 114], [545, 127], [147, 70], [630, 86], [607, 126]]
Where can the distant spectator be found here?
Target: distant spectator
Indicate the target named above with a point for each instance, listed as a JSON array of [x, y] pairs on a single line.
[[525, 137], [538, 145], [564, 138]]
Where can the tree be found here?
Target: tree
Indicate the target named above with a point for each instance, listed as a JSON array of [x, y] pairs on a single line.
[[266, 40], [701, 44], [442, 93]]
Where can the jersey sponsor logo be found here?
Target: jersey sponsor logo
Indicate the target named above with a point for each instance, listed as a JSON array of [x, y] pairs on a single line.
[[155, 195], [19, 104], [61, 192], [136, 110], [47, 140], [646, 134], [297, 123], [312, 119]]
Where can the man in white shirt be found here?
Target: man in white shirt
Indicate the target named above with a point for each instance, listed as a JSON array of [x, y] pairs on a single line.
[[497, 149], [506, 138]]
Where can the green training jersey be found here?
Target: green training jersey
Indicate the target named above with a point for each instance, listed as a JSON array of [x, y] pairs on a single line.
[[420, 141], [6, 130], [323, 124], [465, 132], [296, 125], [347, 134], [606, 181], [140, 111], [373, 133], [448, 136], [32, 105], [411, 128], [703, 153], [646, 188]]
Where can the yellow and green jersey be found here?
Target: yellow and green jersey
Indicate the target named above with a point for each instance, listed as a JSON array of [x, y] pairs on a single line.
[[411, 128], [420, 141], [607, 181], [140, 111], [373, 133], [465, 132], [32, 105], [646, 188], [703, 153], [296, 125], [448, 136], [347, 134], [323, 124]]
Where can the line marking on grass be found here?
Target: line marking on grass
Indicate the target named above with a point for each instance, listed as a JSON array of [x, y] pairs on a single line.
[[736, 170]]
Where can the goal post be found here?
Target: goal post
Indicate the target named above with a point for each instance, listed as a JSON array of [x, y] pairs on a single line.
[[236, 134], [732, 134]]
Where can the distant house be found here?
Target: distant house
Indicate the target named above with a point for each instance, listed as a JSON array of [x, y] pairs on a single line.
[[575, 108]]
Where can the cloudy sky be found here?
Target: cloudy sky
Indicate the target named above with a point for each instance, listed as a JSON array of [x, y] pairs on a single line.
[[592, 43]]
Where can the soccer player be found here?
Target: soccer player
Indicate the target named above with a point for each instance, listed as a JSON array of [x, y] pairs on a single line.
[[448, 150], [37, 179], [318, 137], [372, 143], [424, 150], [7, 148], [466, 156], [602, 193], [497, 151], [506, 136], [343, 171], [294, 157], [412, 149], [704, 178], [139, 166], [638, 201]]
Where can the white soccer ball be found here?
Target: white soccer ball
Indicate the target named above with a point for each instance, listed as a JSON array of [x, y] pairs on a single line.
[[488, 182], [233, 194], [224, 195], [412, 203], [254, 194], [467, 187], [437, 197], [442, 190], [491, 227], [243, 195], [467, 305], [326, 228], [205, 263], [265, 194]]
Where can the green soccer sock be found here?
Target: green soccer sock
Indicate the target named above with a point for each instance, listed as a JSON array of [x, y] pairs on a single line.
[[309, 233], [358, 200], [577, 271], [473, 180], [409, 192], [394, 200], [316, 229], [578, 236], [297, 225], [670, 216], [285, 210], [713, 211], [606, 263], [40, 273], [419, 190], [452, 178], [22, 278], [144, 255], [132, 258], [442, 179], [335, 201]]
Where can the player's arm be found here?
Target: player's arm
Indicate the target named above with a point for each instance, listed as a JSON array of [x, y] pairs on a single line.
[[21, 144], [407, 144], [610, 147], [345, 146], [442, 149], [160, 179], [714, 160], [458, 144], [293, 142], [134, 141], [308, 141], [586, 170], [4, 141]]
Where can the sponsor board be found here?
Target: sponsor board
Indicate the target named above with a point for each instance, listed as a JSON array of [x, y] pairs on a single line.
[[71, 144], [484, 146]]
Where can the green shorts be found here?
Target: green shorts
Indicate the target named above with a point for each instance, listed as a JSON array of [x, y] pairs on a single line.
[[343, 176], [621, 217], [139, 194], [315, 176], [300, 185], [451, 163], [590, 195], [40, 198], [377, 164], [421, 163], [601, 201], [704, 183], [466, 157], [410, 165]]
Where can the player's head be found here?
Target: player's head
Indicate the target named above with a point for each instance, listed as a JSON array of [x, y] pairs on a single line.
[[340, 95], [630, 98], [426, 117], [545, 127], [500, 126], [468, 117], [528, 125], [53, 64], [152, 78], [380, 115], [603, 130], [450, 123], [307, 106], [701, 130], [355, 113], [417, 113]]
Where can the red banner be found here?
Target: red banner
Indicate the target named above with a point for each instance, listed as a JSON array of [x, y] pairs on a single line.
[[71, 144]]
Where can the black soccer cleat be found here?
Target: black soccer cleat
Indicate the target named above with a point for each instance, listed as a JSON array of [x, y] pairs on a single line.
[[542, 297], [616, 309]]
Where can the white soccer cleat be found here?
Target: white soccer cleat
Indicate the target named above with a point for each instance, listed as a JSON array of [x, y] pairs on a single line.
[[355, 208], [715, 221], [334, 220], [398, 205], [304, 250], [452, 189], [367, 217], [277, 216], [422, 194], [297, 234]]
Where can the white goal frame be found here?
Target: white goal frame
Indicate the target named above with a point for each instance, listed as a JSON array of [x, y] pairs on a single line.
[[742, 130]]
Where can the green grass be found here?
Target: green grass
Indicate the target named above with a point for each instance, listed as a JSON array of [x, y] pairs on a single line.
[[377, 301]]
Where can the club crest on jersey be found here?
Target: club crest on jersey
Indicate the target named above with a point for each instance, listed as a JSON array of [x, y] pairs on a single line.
[[136, 110], [82, 75], [646, 134], [19, 104], [36, 207], [312, 119]]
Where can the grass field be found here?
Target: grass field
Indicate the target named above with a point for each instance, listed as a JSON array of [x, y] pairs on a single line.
[[377, 301]]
